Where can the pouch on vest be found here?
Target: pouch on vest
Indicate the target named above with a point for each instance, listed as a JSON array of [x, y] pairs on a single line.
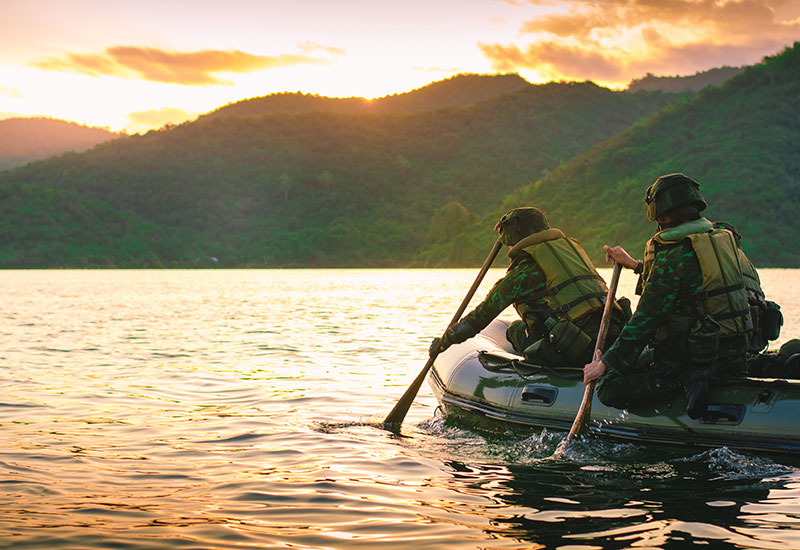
[[569, 339], [625, 306], [703, 341], [771, 321]]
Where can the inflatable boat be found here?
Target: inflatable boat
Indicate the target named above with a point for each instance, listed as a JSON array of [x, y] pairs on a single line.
[[484, 384]]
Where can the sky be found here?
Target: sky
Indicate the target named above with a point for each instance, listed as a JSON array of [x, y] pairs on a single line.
[[137, 65]]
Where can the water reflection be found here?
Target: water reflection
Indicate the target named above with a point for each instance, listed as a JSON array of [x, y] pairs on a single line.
[[211, 409]]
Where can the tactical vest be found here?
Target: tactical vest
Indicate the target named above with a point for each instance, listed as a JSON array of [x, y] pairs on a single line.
[[752, 283], [722, 295], [573, 287]]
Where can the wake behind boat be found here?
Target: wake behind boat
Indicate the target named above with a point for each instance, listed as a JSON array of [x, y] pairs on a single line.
[[485, 384]]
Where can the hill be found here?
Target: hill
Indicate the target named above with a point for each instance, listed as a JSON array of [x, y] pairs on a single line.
[[23, 140], [739, 140], [301, 189], [695, 82], [458, 91]]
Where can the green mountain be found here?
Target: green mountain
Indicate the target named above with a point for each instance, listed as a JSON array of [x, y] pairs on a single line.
[[458, 91], [739, 140], [23, 140], [306, 188], [695, 82]]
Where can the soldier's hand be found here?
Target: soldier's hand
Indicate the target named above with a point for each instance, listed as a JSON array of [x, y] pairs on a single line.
[[437, 347], [619, 255], [594, 370]]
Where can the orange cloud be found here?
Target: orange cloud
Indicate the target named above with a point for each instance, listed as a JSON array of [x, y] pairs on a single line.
[[742, 18], [555, 61], [187, 68], [613, 41]]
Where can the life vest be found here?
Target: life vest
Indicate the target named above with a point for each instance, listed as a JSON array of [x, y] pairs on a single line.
[[722, 295], [752, 282], [573, 287]]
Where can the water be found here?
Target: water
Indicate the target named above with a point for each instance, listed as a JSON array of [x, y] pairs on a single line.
[[236, 409]]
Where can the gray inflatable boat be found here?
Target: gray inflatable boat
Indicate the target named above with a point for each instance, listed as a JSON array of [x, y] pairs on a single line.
[[484, 384]]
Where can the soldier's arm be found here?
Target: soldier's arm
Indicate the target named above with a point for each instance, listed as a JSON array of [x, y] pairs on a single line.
[[653, 309], [519, 283]]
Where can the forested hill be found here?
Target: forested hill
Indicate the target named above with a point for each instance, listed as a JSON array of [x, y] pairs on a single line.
[[739, 140], [23, 140], [307, 189], [695, 82], [458, 91]]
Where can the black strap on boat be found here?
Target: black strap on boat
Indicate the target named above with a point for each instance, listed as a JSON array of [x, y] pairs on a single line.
[[526, 370]]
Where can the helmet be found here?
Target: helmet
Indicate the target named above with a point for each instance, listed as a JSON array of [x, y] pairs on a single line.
[[729, 226], [519, 223], [670, 192]]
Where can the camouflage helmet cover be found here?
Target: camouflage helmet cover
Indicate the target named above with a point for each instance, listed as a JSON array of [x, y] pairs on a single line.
[[672, 191], [517, 224]]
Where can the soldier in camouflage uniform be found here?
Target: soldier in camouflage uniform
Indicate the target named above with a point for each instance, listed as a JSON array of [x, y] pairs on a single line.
[[553, 286], [692, 322]]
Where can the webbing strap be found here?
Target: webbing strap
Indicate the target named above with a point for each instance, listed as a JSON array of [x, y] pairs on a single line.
[[719, 291], [731, 315], [566, 307], [555, 290]]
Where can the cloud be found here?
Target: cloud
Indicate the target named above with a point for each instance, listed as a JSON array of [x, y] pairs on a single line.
[[554, 61], [11, 92], [739, 18], [613, 41], [157, 118], [308, 47], [188, 68]]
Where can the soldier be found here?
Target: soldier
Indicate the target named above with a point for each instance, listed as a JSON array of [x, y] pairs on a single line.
[[555, 289], [692, 322]]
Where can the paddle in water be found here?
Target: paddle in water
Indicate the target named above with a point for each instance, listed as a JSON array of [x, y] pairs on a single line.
[[585, 410], [395, 418]]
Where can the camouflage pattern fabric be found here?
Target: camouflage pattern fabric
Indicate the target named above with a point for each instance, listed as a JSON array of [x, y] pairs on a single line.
[[523, 280], [649, 359]]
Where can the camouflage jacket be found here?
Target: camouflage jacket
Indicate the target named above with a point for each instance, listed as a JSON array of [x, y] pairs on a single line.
[[523, 279], [674, 278]]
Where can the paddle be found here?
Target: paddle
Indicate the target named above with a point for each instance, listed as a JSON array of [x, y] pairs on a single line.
[[395, 418], [585, 410]]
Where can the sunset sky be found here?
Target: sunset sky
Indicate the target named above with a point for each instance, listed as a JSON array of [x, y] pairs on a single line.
[[136, 65]]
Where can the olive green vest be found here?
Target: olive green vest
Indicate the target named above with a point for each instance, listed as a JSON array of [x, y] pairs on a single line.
[[752, 282], [573, 287], [722, 295]]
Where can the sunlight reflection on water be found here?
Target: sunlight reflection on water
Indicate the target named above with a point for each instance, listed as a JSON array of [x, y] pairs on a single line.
[[230, 409]]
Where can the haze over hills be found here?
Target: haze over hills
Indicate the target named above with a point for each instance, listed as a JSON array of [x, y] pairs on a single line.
[[23, 140], [313, 188], [458, 91], [324, 186]]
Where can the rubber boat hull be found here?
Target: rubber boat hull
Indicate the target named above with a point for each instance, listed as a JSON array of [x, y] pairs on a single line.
[[485, 384]]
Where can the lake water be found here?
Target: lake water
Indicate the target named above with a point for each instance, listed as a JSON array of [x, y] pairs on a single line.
[[236, 409]]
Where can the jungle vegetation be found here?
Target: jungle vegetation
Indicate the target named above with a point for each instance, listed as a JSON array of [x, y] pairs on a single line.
[[319, 184]]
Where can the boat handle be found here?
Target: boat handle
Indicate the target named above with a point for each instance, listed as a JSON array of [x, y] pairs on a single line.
[[541, 394], [723, 414]]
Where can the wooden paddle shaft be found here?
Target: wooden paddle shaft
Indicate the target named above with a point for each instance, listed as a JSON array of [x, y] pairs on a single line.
[[398, 413], [585, 410]]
